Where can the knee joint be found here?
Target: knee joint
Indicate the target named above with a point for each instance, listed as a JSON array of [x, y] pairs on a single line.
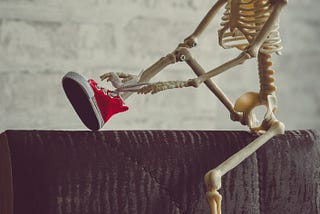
[[213, 179]]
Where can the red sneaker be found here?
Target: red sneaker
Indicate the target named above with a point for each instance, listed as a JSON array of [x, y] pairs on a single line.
[[94, 105]]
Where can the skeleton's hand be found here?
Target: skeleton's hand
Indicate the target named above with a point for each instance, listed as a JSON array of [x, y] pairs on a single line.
[[124, 82], [111, 77]]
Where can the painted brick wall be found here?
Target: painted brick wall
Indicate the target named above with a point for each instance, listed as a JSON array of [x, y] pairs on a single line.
[[41, 40]]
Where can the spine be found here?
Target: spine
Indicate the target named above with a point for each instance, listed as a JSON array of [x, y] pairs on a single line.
[[265, 75]]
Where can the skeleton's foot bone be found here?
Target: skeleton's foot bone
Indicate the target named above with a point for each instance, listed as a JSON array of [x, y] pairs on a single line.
[[213, 177], [161, 86], [214, 200]]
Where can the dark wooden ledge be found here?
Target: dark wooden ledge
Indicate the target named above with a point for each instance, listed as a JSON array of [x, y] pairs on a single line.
[[150, 172]]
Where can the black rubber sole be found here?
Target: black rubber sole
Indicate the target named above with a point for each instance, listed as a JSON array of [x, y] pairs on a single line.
[[81, 103]]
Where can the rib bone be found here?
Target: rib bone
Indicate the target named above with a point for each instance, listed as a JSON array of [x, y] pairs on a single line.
[[243, 20]]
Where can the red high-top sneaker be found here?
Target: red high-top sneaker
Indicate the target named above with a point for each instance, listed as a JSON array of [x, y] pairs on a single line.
[[93, 104]]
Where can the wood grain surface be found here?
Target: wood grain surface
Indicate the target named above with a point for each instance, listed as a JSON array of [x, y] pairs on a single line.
[[142, 172]]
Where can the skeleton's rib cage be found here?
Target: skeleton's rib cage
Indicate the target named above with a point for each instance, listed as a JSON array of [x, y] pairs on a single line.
[[241, 22]]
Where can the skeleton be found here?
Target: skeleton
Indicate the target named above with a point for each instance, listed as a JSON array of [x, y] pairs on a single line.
[[250, 26]]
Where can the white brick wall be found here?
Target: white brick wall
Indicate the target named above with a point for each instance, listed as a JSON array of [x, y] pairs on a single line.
[[40, 40]]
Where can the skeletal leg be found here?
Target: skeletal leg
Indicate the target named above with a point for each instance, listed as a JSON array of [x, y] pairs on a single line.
[[180, 54], [214, 200], [213, 177]]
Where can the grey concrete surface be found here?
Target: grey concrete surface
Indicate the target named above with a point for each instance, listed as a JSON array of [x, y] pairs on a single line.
[[41, 40]]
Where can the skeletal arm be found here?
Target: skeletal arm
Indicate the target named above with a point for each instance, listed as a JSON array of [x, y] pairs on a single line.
[[182, 54], [192, 40], [153, 70], [249, 52], [171, 58]]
